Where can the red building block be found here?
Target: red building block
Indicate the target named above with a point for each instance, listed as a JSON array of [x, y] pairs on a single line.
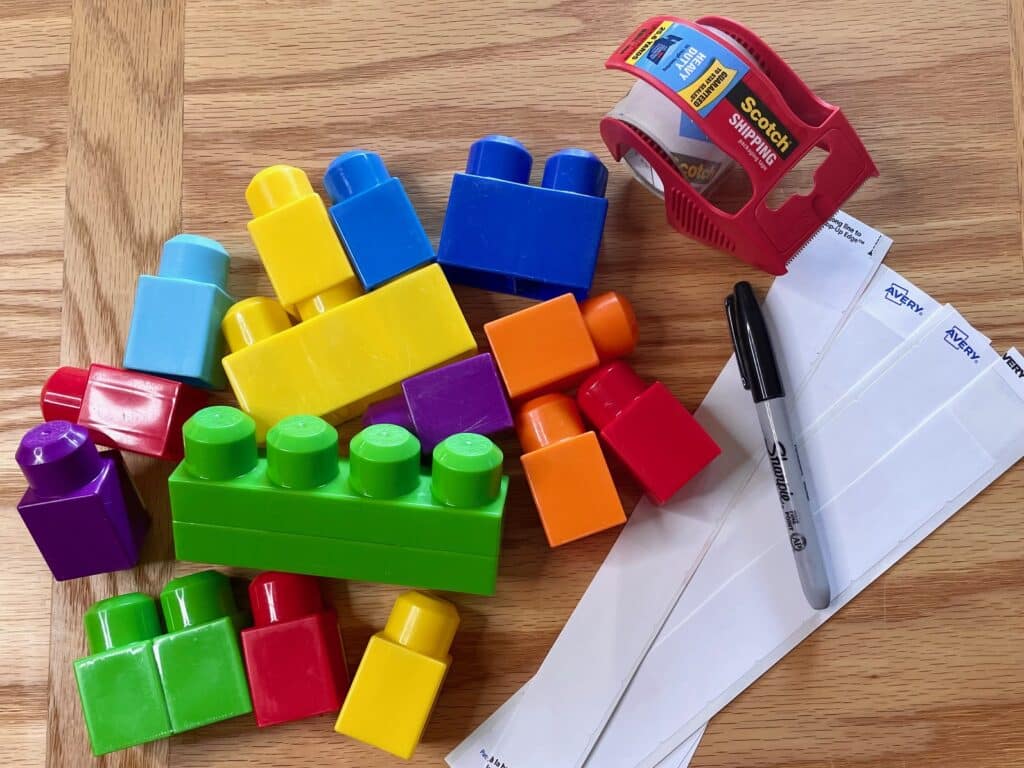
[[650, 431], [293, 653], [128, 410]]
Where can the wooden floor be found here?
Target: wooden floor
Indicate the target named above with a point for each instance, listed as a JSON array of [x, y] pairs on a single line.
[[122, 124]]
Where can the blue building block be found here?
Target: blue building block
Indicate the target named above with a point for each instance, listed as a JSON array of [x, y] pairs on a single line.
[[175, 329], [504, 235], [374, 218]]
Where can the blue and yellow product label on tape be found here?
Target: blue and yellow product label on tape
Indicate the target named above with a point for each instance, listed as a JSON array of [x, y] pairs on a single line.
[[697, 67]]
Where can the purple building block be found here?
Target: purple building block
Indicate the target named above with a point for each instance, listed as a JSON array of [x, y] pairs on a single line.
[[465, 396], [80, 507], [390, 411]]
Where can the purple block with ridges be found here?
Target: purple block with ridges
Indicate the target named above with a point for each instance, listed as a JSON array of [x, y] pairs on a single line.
[[390, 411], [465, 396], [81, 507]]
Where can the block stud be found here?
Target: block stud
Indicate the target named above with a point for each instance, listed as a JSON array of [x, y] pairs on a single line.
[[63, 394], [384, 461], [197, 599], [57, 457], [611, 323], [253, 320], [327, 299], [353, 172], [220, 443], [196, 258], [466, 471], [423, 624], [119, 621], [394, 410], [546, 420], [302, 453], [499, 157], [276, 187], [277, 597], [608, 390], [575, 170]]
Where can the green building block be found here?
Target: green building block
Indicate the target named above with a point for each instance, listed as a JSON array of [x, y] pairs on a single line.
[[199, 658], [375, 516], [138, 684], [119, 683]]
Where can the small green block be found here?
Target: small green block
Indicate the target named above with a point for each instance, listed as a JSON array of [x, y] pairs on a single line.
[[203, 676], [122, 697]]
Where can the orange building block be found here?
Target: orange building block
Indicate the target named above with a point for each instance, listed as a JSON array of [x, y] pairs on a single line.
[[566, 471], [553, 345]]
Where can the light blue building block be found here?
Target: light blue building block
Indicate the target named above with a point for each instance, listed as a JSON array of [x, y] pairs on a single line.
[[374, 218], [175, 329]]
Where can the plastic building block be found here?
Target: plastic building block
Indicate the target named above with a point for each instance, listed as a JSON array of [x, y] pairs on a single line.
[[504, 235], [566, 471], [400, 675], [293, 654], [394, 410], [119, 682], [127, 410], [374, 218], [650, 431], [80, 507], [373, 517], [175, 330], [199, 658], [554, 345], [336, 363], [298, 247], [465, 396]]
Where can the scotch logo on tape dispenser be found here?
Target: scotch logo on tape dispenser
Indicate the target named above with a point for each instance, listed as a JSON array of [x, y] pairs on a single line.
[[712, 94]]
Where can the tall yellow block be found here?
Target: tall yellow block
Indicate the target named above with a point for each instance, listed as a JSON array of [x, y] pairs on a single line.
[[337, 362], [296, 241], [396, 685]]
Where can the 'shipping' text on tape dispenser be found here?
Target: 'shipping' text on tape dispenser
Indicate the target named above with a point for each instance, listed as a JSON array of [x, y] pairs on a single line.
[[711, 93]]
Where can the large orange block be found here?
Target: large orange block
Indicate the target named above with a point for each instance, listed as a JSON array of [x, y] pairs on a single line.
[[551, 346], [566, 471]]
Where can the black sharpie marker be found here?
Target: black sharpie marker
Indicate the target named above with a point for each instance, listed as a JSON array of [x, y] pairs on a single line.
[[760, 375]]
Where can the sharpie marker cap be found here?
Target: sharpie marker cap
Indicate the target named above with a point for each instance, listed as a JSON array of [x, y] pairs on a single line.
[[752, 344]]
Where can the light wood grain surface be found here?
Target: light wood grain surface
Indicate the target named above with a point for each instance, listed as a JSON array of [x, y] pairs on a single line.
[[124, 123]]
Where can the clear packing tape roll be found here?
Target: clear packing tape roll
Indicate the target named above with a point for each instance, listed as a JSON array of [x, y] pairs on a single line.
[[711, 95]]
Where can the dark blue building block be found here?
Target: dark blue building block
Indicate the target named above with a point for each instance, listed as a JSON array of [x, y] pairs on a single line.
[[175, 330], [374, 218], [504, 235]]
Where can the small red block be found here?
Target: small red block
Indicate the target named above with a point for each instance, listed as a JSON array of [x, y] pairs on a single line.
[[650, 431], [293, 654]]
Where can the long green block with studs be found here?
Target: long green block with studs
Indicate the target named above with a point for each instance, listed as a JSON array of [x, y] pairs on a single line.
[[141, 683], [375, 516]]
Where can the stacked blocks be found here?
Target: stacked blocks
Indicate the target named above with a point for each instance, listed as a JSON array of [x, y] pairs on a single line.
[[646, 428], [293, 654], [552, 346], [566, 471], [80, 507], [375, 219], [128, 410], [465, 396], [348, 350], [400, 675], [175, 330], [502, 234], [138, 685], [372, 517]]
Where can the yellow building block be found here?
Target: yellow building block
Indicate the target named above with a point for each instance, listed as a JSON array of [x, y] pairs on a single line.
[[296, 241], [353, 353], [396, 685]]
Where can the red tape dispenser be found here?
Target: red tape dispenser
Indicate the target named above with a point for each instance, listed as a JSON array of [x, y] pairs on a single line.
[[710, 94]]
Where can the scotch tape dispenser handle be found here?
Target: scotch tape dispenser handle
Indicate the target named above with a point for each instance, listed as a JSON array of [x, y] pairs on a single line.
[[711, 95]]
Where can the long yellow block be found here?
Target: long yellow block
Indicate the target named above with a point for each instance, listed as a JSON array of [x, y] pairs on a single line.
[[400, 675], [335, 363]]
